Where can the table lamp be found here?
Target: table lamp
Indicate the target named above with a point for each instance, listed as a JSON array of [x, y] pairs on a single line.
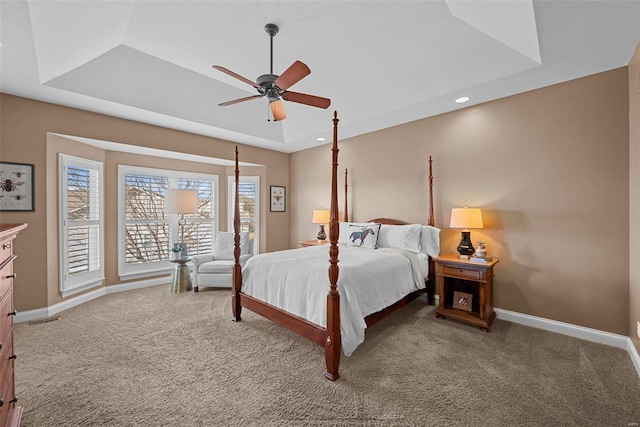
[[466, 218], [180, 201], [321, 217]]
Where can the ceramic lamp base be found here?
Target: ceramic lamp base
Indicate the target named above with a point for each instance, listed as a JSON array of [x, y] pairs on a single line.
[[465, 248]]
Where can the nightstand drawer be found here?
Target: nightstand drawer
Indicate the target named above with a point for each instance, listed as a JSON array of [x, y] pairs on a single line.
[[460, 272]]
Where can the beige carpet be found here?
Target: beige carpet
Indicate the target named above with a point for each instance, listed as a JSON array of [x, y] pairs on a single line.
[[151, 358]]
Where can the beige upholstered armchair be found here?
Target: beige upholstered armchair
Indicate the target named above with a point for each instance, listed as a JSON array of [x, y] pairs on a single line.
[[215, 270]]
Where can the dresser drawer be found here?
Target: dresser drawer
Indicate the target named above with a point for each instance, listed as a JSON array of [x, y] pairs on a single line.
[[461, 272], [6, 387], [5, 250], [6, 366], [6, 282], [6, 321]]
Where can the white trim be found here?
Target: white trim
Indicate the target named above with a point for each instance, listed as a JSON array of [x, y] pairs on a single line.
[[581, 332], [569, 329], [69, 284], [82, 287], [146, 273], [133, 271], [635, 357], [231, 194], [43, 313]]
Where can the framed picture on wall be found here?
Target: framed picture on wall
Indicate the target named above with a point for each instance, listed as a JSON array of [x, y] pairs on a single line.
[[16, 187], [278, 198]]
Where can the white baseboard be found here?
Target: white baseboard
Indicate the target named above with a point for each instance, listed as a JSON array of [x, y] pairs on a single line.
[[571, 330], [43, 313], [635, 357]]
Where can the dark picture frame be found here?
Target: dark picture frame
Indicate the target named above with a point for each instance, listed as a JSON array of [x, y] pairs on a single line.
[[17, 187], [278, 199]]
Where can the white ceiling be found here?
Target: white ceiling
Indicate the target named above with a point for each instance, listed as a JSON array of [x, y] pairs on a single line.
[[382, 63]]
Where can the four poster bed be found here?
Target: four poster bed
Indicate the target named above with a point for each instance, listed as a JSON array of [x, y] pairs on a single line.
[[289, 287]]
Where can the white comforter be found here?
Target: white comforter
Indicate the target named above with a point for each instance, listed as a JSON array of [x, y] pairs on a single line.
[[297, 281]]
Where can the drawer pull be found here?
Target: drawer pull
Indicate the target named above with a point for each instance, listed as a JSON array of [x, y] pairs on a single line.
[[11, 276], [6, 246], [13, 356], [1, 403], [14, 400], [13, 313]]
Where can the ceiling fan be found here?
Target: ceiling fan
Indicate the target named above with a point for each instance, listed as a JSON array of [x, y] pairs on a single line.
[[273, 86]]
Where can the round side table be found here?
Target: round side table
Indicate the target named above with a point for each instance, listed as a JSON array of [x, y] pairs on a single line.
[[181, 276]]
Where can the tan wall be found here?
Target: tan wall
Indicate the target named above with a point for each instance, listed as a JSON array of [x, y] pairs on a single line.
[[634, 196], [550, 170], [23, 139]]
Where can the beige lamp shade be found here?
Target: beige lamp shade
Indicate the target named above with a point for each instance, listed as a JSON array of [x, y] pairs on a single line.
[[321, 216], [180, 201], [466, 218], [277, 109]]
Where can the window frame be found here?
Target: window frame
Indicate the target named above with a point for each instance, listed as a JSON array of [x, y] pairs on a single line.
[[230, 203], [154, 268], [69, 285]]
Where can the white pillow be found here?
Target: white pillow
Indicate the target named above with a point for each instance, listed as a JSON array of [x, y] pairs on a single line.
[[364, 236], [405, 237], [343, 239], [430, 240], [223, 246]]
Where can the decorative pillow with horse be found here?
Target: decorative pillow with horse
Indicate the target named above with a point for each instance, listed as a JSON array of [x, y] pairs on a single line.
[[343, 239], [364, 236]]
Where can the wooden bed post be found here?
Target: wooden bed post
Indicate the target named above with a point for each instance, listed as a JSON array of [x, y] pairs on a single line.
[[236, 306], [431, 277], [346, 206], [332, 344]]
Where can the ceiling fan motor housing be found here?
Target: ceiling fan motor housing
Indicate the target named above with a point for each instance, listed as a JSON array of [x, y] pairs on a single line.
[[266, 81]]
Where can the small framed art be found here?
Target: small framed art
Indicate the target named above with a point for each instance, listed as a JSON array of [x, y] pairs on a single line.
[[16, 187], [278, 198], [462, 301]]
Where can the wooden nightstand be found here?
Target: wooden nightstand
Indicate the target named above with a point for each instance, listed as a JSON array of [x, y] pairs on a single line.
[[469, 277], [304, 243]]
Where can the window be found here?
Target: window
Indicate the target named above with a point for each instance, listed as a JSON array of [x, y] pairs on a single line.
[[81, 224], [198, 231], [146, 232], [249, 192]]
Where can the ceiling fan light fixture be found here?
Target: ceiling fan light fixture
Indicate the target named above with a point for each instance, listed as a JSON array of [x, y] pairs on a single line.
[[277, 109]]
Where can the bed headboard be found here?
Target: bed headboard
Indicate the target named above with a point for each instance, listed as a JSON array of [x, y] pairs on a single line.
[[389, 221]]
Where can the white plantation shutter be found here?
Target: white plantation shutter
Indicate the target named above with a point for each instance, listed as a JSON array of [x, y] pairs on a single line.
[[146, 232], [249, 194], [81, 224], [147, 225], [198, 231]]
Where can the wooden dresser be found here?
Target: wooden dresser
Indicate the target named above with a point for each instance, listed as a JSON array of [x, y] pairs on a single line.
[[10, 413]]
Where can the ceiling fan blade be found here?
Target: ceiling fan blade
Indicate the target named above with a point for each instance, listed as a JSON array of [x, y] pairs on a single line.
[[303, 98], [235, 101], [292, 75], [237, 76]]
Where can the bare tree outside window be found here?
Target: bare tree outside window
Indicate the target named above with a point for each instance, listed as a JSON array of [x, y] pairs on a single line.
[[147, 225]]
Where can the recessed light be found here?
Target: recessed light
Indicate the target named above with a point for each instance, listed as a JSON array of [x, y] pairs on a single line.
[[462, 100], [320, 139]]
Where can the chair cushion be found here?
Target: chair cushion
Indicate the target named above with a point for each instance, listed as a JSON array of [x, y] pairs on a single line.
[[223, 246], [216, 267]]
